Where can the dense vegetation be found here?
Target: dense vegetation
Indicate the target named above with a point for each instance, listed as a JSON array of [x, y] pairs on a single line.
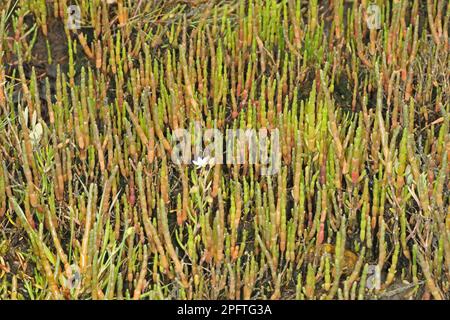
[[92, 205]]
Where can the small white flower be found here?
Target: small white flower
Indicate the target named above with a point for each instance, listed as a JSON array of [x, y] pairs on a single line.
[[203, 162]]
